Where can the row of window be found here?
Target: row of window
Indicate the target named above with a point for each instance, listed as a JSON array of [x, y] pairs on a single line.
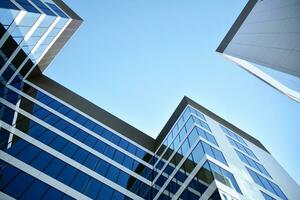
[[253, 163], [233, 135], [21, 185], [240, 144], [28, 6], [178, 125], [87, 123], [192, 120], [72, 130], [29, 188], [203, 178], [242, 148], [267, 184], [186, 146], [57, 142], [68, 174], [17, 37], [195, 156]]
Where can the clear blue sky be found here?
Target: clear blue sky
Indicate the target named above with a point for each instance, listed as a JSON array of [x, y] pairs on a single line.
[[137, 59]]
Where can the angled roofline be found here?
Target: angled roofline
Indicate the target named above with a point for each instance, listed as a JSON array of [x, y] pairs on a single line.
[[124, 128], [236, 26], [107, 118], [187, 101], [60, 42]]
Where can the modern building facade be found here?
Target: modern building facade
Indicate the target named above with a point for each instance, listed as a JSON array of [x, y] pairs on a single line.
[[55, 144], [265, 40]]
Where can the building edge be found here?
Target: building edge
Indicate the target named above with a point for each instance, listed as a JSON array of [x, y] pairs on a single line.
[[236, 25], [123, 127]]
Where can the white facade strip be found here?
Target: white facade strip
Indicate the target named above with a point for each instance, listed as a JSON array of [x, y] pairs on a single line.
[[172, 155], [41, 176], [5, 196], [181, 142], [17, 71], [35, 48], [68, 160], [172, 128], [189, 178], [8, 61], [176, 169], [88, 117], [209, 191], [174, 137], [80, 127], [34, 27], [48, 47], [26, 38], [78, 143], [45, 34], [16, 21]]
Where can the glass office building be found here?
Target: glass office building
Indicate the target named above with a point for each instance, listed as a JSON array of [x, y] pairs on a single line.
[[58, 145]]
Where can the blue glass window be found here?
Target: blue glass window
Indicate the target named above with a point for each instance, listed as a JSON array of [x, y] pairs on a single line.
[[41, 161], [47, 137], [36, 130], [29, 153], [106, 192], [61, 125], [57, 10], [51, 119], [7, 173], [91, 161], [81, 135], [100, 146], [81, 119], [7, 4], [102, 167], [80, 181], [193, 136], [198, 153], [17, 147], [109, 151], [90, 141], [52, 193], [67, 174], [119, 196], [69, 149], [207, 149], [80, 155], [58, 143], [35, 191], [119, 157], [71, 130], [27, 6], [128, 162], [267, 184], [54, 168], [21, 181], [219, 156], [44, 8], [113, 173], [92, 188]]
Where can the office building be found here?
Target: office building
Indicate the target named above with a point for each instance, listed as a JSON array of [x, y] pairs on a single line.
[[265, 41], [58, 145]]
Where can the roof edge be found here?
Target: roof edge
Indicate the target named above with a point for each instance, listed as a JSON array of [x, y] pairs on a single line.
[[187, 101], [236, 25], [94, 111]]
